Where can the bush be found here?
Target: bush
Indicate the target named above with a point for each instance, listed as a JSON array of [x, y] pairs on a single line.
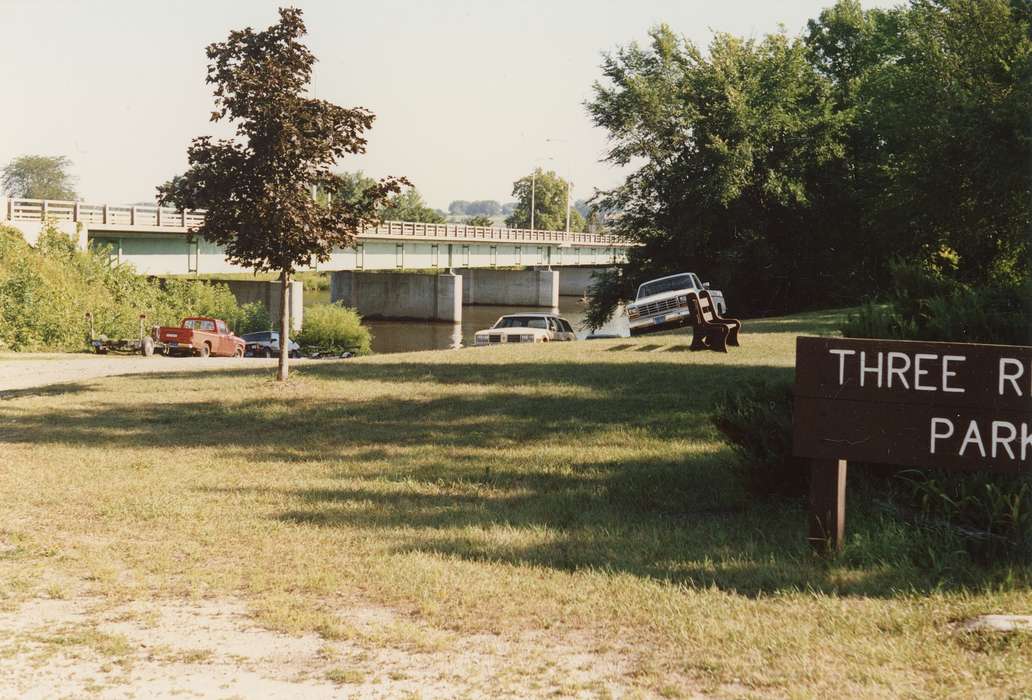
[[923, 303], [335, 328], [756, 419], [989, 515], [46, 291]]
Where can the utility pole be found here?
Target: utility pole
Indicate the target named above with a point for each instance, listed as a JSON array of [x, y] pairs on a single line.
[[569, 186], [533, 184]]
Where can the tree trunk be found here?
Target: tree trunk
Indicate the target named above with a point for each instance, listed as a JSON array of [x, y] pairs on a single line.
[[284, 334]]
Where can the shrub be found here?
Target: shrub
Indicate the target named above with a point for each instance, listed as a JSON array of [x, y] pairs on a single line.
[[756, 419], [45, 292], [924, 304], [335, 328], [989, 514]]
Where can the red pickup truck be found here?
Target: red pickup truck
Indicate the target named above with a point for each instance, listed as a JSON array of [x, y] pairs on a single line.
[[201, 336]]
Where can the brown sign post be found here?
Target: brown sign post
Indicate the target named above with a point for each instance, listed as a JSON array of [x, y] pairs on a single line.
[[945, 405]]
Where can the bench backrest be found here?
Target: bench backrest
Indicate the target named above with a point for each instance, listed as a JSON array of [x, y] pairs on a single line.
[[706, 307]]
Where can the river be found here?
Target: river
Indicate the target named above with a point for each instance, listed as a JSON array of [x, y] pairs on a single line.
[[406, 336]]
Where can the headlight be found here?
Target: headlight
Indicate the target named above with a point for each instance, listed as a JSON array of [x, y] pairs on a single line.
[[682, 300], [632, 313], [527, 338]]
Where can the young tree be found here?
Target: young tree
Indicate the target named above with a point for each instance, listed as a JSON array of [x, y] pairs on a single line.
[[258, 187], [479, 220], [548, 192], [39, 177]]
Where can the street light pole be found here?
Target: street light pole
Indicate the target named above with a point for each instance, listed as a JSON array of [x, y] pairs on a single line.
[[533, 185], [569, 185]]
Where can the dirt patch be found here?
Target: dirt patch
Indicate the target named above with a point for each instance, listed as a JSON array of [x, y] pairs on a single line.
[[214, 648]]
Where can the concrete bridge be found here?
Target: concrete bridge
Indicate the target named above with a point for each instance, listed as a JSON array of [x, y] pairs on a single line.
[[399, 269]]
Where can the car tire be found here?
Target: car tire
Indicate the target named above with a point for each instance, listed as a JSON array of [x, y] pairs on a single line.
[[238, 353], [295, 354], [204, 351], [267, 353]]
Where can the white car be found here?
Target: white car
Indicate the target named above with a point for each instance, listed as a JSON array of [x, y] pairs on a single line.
[[266, 344], [526, 328], [664, 303]]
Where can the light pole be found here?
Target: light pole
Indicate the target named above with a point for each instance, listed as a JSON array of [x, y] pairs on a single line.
[[569, 184]]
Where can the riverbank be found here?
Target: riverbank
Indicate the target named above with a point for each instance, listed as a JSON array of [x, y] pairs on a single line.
[[506, 521]]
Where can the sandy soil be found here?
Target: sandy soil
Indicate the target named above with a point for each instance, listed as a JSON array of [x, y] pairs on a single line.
[[212, 648], [19, 372]]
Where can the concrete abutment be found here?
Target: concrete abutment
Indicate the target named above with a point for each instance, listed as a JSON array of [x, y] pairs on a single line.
[[400, 295]]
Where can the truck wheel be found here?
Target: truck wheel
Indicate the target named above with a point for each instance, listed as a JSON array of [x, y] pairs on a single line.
[[204, 350], [147, 346]]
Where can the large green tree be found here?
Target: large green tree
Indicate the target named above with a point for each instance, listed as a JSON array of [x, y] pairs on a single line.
[[791, 170], [409, 206], [39, 177], [739, 151], [942, 136], [258, 187], [548, 192]]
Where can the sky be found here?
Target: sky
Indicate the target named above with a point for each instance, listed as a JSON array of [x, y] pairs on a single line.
[[469, 94]]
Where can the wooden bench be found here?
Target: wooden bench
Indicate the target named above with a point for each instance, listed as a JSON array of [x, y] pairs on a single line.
[[711, 331]]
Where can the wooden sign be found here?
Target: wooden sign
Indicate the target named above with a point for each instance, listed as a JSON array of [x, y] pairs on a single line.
[[944, 405]]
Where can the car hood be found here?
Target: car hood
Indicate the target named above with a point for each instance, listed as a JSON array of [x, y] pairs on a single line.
[[513, 331]]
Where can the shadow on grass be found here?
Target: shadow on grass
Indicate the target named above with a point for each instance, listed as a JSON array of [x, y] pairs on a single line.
[[521, 463], [48, 390]]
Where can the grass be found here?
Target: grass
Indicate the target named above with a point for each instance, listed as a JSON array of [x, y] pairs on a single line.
[[570, 489]]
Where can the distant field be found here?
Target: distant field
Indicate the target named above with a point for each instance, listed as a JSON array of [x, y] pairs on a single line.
[[565, 510]]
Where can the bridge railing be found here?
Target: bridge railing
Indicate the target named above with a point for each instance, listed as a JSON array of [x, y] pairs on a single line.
[[150, 216]]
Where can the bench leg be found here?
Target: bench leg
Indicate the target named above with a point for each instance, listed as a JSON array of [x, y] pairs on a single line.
[[717, 337], [732, 337], [699, 337]]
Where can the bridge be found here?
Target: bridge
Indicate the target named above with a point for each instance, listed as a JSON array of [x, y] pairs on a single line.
[[436, 267]]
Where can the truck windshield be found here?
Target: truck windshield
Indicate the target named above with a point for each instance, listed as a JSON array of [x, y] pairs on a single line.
[[668, 284]]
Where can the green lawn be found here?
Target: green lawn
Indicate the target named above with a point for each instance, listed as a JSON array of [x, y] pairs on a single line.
[[569, 488]]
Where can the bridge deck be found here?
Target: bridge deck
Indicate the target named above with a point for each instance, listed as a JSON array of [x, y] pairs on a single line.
[[154, 219]]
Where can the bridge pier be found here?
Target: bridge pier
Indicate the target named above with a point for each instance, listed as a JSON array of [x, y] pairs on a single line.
[[533, 287], [400, 295], [574, 281]]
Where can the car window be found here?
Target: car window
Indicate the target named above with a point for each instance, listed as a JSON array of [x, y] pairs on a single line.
[[222, 327], [566, 325], [198, 324], [521, 322], [552, 325]]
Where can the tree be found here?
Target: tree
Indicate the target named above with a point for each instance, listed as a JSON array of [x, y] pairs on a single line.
[[409, 206], [739, 161], [258, 187], [485, 207], [458, 207], [549, 193], [39, 177], [480, 220]]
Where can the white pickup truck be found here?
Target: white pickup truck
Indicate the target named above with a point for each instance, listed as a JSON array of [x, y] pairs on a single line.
[[663, 303]]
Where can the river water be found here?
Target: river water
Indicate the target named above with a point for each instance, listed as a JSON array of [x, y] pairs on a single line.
[[406, 336]]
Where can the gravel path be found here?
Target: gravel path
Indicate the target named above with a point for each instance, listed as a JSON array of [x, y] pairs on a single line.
[[28, 371]]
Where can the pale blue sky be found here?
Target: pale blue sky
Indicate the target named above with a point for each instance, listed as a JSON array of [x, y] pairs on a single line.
[[467, 93]]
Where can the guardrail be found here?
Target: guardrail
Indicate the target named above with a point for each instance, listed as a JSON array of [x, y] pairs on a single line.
[[152, 216]]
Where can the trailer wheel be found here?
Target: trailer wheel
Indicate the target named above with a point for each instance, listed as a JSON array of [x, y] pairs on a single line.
[[147, 346], [204, 350]]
